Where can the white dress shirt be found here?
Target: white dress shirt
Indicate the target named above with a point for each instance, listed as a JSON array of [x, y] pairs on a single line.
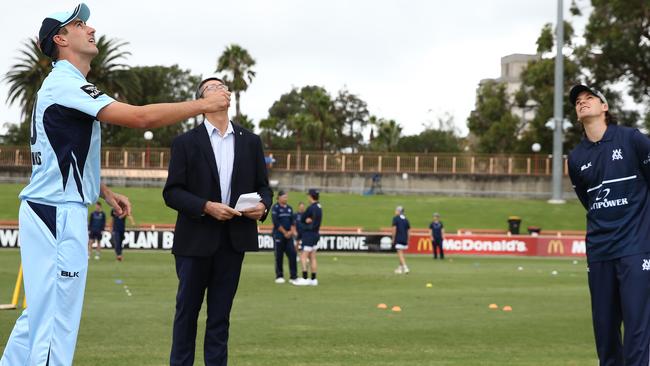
[[224, 154]]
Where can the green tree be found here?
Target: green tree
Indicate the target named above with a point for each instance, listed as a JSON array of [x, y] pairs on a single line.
[[440, 138], [154, 84], [388, 135], [351, 112], [304, 115], [617, 45], [538, 89], [492, 122], [237, 63], [26, 76]]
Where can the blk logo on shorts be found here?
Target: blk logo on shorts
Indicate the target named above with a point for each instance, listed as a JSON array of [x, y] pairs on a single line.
[[646, 265], [69, 274]]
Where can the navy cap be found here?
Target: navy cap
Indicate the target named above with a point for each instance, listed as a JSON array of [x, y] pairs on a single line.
[[577, 89], [313, 192], [56, 21]]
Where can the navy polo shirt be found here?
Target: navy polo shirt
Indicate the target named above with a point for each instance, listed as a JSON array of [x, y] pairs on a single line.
[[315, 212], [436, 229], [611, 179], [281, 216], [97, 221], [402, 231]]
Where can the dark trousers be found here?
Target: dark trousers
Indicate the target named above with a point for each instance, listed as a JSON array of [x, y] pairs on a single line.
[[284, 246], [118, 238], [437, 246], [219, 275], [620, 292]]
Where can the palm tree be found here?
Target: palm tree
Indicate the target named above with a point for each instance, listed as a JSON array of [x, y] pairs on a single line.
[[26, 76], [389, 134], [111, 76], [237, 62]]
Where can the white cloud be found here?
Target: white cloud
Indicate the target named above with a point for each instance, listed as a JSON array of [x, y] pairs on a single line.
[[403, 58]]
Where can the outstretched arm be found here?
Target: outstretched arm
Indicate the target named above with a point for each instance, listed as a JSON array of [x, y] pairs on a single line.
[[162, 114]]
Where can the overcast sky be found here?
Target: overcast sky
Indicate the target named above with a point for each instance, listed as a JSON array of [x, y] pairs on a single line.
[[409, 60]]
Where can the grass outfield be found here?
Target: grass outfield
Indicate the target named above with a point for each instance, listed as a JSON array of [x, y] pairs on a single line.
[[373, 212], [337, 323]]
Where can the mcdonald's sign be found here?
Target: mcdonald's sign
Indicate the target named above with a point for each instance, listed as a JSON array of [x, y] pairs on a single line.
[[425, 245], [555, 247]]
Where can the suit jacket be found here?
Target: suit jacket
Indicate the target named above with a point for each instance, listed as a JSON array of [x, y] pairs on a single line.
[[193, 180]]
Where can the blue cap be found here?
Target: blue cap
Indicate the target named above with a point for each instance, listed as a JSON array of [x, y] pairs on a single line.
[[56, 21], [313, 193]]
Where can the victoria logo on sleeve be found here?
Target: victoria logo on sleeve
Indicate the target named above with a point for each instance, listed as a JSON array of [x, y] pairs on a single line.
[[617, 154], [92, 91]]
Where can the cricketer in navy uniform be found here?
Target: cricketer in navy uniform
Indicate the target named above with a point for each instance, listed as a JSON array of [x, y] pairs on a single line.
[[65, 152], [610, 171], [401, 228], [283, 228], [310, 223]]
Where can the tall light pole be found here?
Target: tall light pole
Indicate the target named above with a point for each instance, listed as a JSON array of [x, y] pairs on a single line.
[[558, 160]]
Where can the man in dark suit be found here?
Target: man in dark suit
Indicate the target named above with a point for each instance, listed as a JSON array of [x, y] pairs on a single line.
[[210, 167]]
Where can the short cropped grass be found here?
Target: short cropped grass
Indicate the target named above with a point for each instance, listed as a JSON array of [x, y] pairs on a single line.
[[338, 323], [372, 212]]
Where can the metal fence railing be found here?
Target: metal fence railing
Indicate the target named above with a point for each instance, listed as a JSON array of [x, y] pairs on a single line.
[[431, 163], [316, 161]]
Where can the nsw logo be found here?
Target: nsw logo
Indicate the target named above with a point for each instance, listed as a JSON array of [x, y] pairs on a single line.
[[92, 91]]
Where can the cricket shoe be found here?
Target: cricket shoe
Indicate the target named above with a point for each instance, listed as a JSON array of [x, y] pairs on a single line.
[[313, 282], [280, 280], [301, 282]]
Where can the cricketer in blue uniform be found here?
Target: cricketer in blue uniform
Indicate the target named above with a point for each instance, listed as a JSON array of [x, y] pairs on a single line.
[[283, 223], [401, 228], [610, 171], [65, 146]]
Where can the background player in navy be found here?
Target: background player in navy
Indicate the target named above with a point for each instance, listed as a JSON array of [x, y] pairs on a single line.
[[118, 226], [610, 171], [65, 148], [298, 228], [437, 231], [401, 228], [96, 224], [311, 221], [283, 229]]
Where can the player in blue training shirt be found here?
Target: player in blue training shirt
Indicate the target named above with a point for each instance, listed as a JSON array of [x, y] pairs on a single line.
[[65, 149], [311, 221], [283, 228], [401, 228], [610, 171], [437, 231]]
